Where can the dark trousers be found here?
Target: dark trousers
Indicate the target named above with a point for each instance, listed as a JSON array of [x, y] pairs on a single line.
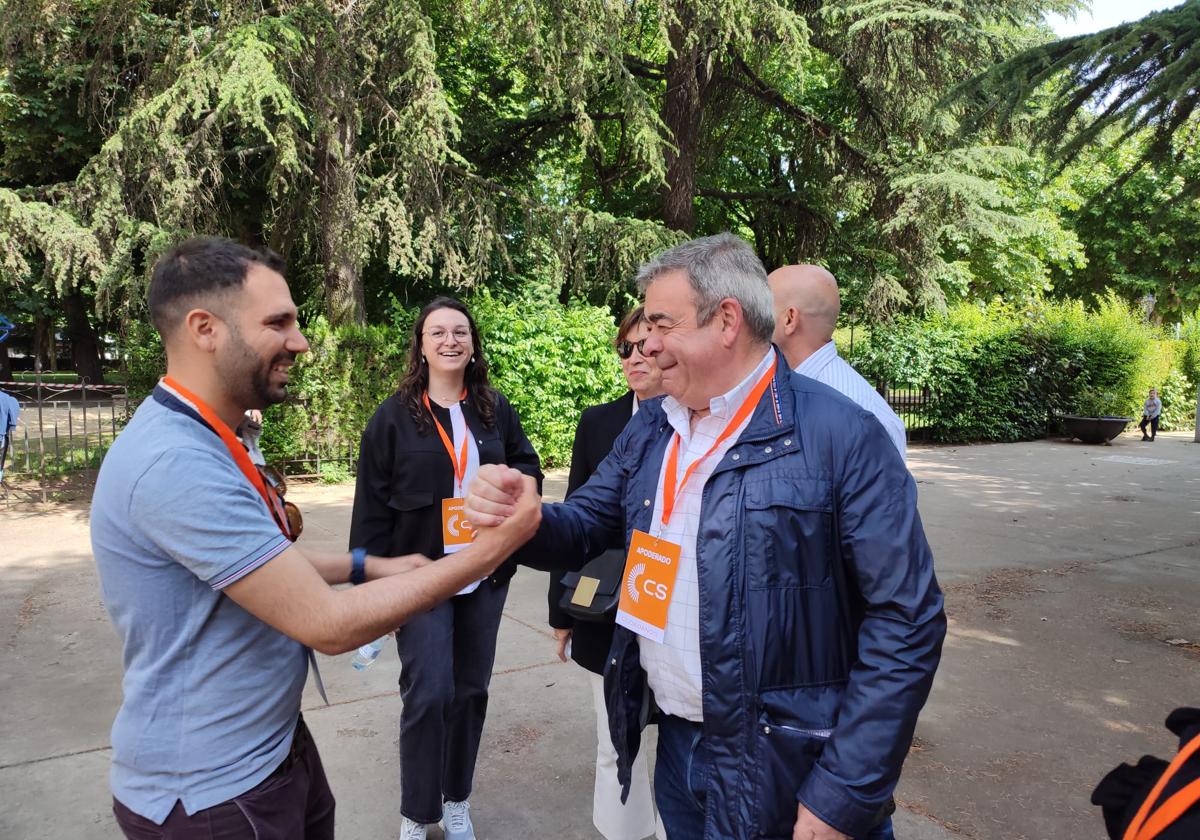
[[1153, 421], [446, 658], [293, 803], [681, 776]]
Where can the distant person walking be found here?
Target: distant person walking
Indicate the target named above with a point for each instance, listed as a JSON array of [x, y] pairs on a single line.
[[1151, 411]]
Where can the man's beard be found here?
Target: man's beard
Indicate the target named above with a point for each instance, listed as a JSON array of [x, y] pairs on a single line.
[[249, 378]]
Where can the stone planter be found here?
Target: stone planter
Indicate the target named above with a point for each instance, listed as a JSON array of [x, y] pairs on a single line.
[[1095, 429]]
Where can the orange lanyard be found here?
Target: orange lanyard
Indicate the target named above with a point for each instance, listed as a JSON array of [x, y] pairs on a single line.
[[670, 488], [240, 457], [1148, 824], [460, 463]]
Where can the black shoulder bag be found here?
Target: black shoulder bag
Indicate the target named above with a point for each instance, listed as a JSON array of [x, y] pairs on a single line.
[[592, 593]]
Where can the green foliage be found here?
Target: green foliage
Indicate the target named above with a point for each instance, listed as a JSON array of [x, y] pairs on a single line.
[[42, 242], [1001, 373], [1138, 229], [1118, 109], [1189, 360], [347, 372], [1139, 74], [1178, 395], [144, 357], [551, 362], [335, 472]]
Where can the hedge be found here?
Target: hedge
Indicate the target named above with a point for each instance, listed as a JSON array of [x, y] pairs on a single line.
[[998, 372]]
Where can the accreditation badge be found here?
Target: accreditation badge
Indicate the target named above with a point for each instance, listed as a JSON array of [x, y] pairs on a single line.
[[457, 532], [650, 571]]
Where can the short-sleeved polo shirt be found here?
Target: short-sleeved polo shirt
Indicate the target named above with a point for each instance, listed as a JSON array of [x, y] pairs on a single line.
[[211, 693]]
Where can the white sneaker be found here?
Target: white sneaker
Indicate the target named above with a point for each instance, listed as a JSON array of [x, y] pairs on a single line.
[[456, 821], [410, 830]]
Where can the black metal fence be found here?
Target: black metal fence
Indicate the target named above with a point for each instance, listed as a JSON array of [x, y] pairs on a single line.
[[61, 428], [320, 462], [912, 404]]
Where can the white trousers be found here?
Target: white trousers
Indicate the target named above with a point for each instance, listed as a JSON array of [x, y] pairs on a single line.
[[635, 819]]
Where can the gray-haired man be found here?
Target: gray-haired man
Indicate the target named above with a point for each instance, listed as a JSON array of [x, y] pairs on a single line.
[[779, 607]]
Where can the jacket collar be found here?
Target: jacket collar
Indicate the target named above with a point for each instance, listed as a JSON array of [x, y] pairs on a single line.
[[776, 410]]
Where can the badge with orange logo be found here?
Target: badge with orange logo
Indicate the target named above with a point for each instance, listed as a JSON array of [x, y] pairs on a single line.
[[649, 582], [457, 532]]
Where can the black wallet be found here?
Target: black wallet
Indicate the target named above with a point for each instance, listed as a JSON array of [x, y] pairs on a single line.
[[604, 573]]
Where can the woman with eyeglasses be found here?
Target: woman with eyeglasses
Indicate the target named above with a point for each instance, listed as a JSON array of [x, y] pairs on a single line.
[[418, 455], [587, 642]]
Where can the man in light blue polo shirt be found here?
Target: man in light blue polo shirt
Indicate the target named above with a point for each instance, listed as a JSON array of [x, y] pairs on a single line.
[[216, 608]]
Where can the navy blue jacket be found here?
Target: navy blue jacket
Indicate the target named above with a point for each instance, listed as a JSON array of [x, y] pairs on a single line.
[[821, 621]]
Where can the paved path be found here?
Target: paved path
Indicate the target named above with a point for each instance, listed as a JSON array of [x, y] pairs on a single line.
[[1067, 568]]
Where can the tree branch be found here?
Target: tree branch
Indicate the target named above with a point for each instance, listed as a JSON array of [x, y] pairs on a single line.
[[781, 196], [644, 69], [759, 89]]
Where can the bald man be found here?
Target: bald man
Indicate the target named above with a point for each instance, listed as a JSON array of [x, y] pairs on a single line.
[[807, 305]]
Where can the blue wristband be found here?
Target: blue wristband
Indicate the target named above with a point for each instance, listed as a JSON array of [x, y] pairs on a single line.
[[358, 565]]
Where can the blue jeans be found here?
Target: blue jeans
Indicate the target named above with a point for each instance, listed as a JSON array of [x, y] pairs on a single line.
[[681, 774]]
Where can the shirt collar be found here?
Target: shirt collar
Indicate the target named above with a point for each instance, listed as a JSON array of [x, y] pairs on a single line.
[[818, 361], [723, 406]]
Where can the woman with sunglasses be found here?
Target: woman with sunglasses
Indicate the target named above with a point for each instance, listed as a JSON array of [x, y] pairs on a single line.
[[419, 453], [589, 641]]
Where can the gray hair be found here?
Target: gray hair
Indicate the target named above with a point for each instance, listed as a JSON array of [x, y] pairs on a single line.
[[719, 267]]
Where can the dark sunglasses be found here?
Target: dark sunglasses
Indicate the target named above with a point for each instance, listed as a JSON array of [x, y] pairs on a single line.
[[275, 480], [625, 348]]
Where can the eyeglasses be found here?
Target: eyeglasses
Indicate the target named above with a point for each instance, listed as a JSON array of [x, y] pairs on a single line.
[[459, 333], [625, 348], [275, 480]]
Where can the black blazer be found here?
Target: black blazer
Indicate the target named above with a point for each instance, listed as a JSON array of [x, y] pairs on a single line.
[[598, 429], [403, 475]]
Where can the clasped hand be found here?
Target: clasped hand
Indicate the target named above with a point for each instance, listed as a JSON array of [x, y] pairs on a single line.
[[503, 502], [494, 494]]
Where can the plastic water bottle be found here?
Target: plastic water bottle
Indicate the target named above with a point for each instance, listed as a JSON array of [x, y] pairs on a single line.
[[366, 655]]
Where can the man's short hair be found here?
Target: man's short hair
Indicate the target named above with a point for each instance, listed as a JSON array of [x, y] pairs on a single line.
[[198, 271], [719, 267]]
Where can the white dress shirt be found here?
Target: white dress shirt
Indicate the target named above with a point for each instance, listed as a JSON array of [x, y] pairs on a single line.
[[673, 667], [828, 367]]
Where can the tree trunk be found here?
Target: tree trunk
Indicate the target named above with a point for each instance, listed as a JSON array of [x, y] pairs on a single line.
[[683, 108], [44, 344], [85, 348], [337, 204], [5, 364]]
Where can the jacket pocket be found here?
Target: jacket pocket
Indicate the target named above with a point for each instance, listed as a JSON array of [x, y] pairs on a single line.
[[787, 747], [789, 524], [409, 501]]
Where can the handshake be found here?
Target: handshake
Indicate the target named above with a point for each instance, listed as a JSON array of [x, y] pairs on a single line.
[[505, 509]]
